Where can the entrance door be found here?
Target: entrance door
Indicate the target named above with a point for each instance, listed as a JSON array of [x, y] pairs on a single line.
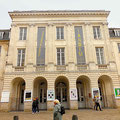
[[61, 93], [43, 97], [81, 98], [101, 94], [22, 89]]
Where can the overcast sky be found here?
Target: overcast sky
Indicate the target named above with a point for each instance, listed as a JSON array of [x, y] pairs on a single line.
[[11, 5]]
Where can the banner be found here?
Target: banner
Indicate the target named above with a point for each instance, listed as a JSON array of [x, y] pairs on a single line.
[[80, 52], [117, 92], [41, 46]]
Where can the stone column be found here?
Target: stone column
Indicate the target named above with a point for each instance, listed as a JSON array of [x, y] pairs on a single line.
[[50, 46], [72, 86], [28, 88], [30, 47], [90, 56]]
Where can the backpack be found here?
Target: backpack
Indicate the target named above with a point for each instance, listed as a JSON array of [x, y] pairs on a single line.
[[62, 110]]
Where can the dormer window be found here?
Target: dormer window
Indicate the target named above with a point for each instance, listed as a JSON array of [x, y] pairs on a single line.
[[117, 32], [1, 35]]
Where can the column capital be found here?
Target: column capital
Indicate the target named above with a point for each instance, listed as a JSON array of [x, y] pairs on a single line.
[[68, 24], [13, 25], [105, 23], [87, 23], [50, 24], [31, 25]]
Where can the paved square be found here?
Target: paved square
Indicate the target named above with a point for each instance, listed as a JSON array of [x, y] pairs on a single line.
[[106, 114]]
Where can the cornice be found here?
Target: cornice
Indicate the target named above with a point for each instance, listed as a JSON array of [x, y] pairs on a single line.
[[58, 13]]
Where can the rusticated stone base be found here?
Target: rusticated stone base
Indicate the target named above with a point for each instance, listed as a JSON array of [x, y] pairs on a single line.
[[28, 106], [4, 107], [50, 105], [73, 105]]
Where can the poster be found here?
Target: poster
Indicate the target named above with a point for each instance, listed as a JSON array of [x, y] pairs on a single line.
[[50, 95], [117, 92], [28, 95], [95, 92], [73, 94], [5, 96]]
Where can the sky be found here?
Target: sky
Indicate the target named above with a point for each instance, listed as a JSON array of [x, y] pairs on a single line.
[[23, 5]]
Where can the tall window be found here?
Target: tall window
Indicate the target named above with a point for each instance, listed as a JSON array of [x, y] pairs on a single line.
[[60, 32], [21, 57], [96, 32], [60, 56], [119, 47], [0, 50], [100, 55], [23, 33]]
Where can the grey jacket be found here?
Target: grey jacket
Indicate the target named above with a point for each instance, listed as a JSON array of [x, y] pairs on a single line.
[[56, 112]]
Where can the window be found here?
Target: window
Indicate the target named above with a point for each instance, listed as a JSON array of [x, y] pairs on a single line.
[[1, 35], [23, 33], [96, 32], [21, 57], [117, 32], [0, 50], [60, 56], [100, 55], [60, 33], [119, 47]]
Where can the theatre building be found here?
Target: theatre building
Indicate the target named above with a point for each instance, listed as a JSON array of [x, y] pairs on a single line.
[[65, 55]]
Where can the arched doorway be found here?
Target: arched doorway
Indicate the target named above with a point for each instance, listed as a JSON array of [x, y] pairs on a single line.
[[106, 91], [40, 91], [62, 90], [17, 94], [83, 92]]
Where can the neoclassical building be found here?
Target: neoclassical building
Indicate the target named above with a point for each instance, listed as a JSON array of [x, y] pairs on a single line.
[[65, 55]]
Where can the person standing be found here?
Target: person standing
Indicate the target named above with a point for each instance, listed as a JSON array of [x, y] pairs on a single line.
[[34, 106], [57, 109], [37, 104], [97, 102]]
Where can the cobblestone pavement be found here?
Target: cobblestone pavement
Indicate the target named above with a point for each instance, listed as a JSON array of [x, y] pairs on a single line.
[[106, 114]]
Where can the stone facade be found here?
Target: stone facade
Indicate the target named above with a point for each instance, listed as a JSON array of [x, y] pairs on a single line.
[[61, 71]]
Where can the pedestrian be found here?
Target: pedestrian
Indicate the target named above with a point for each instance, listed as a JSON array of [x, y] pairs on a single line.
[[94, 102], [57, 110], [34, 106], [97, 102], [37, 105]]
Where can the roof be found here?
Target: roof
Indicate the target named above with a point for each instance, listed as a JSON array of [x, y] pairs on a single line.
[[58, 12]]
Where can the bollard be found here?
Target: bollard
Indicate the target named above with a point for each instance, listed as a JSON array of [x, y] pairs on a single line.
[[15, 118], [74, 117]]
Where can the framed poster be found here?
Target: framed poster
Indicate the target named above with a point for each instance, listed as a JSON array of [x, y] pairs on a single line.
[[73, 94], [95, 92], [117, 92], [50, 95], [5, 96], [28, 95]]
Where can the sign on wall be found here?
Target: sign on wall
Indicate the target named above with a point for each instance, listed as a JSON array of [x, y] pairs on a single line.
[[5, 96], [95, 92], [73, 94], [80, 51], [117, 92], [50, 95], [28, 95]]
